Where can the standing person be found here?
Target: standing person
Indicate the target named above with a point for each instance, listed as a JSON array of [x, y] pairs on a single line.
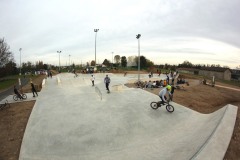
[[167, 79], [173, 78], [107, 81], [172, 91], [17, 93], [50, 74], [33, 89], [92, 79]]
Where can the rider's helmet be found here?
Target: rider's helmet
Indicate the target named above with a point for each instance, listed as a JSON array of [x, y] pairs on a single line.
[[169, 87]]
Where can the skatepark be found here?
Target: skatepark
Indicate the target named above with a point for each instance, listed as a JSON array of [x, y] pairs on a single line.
[[73, 120]]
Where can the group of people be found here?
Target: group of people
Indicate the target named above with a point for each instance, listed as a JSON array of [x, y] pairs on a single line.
[[181, 81], [155, 84], [107, 81]]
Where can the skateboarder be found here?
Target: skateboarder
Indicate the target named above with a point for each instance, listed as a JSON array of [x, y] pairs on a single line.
[[107, 82]]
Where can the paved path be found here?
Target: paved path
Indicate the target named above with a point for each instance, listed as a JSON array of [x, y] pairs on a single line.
[[70, 121], [9, 91], [235, 89]]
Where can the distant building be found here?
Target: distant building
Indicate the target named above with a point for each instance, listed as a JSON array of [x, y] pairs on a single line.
[[217, 72]]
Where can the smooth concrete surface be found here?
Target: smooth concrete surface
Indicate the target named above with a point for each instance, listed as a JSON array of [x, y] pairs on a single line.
[[70, 121]]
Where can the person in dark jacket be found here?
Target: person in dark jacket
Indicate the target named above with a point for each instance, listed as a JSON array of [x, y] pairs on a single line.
[[17, 93], [107, 82], [33, 89]]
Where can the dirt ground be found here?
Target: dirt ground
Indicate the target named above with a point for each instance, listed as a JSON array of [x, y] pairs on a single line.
[[196, 96]]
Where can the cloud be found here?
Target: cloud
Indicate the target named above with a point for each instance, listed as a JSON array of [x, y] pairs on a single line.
[[192, 29]]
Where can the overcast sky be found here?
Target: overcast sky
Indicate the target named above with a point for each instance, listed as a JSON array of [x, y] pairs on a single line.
[[202, 31]]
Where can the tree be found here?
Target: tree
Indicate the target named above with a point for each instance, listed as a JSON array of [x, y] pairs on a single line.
[[186, 64], [117, 59], [93, 63], [131, 61], [106, 62], [149, 63], [6, 59], [45, 66], [39, 65], [5, 55], [124, 61], [166, 66], [11, 68], [143, 61]]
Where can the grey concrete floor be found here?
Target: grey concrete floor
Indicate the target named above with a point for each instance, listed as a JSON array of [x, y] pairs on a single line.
[[70, 121]]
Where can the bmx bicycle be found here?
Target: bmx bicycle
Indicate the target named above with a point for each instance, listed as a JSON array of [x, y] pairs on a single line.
[[15, 97], [156, 105]]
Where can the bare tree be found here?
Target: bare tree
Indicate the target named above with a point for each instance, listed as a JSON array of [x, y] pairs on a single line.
[[7, 65], [131, 61], [117, 59], [5, 55]]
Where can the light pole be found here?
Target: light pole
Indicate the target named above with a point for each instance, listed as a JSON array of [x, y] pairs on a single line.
[[20, 49], [138, 37], [59, 61], [95, 30], [112, 59]]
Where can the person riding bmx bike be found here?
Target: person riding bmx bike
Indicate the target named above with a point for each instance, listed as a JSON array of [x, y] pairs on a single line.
[[163, 92]]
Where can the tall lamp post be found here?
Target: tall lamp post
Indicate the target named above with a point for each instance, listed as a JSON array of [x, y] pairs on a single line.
[[20, 49], [138, 37], [95, 30], [59, 61]]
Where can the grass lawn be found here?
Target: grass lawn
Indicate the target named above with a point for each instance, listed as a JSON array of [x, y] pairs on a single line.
[[6, 83], [9, 81]]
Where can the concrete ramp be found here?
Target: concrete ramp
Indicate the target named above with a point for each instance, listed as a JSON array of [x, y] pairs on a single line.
[[70, 121]]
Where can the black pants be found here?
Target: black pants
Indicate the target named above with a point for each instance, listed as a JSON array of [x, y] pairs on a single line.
[[34, 91], [19, 96], [107, 84], [92, 83], [162, 101]]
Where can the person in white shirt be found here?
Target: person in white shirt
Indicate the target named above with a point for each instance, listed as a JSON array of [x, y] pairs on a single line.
[[92, 79]]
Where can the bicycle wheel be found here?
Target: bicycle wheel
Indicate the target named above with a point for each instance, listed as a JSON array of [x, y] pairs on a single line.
[[169, 108], [15, 97], [154, 105], [24, 96]]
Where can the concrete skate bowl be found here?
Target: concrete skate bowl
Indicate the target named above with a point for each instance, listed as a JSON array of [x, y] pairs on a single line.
[[75, 124]]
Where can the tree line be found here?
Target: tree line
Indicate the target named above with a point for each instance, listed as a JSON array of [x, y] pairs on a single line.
[[9, 67]]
